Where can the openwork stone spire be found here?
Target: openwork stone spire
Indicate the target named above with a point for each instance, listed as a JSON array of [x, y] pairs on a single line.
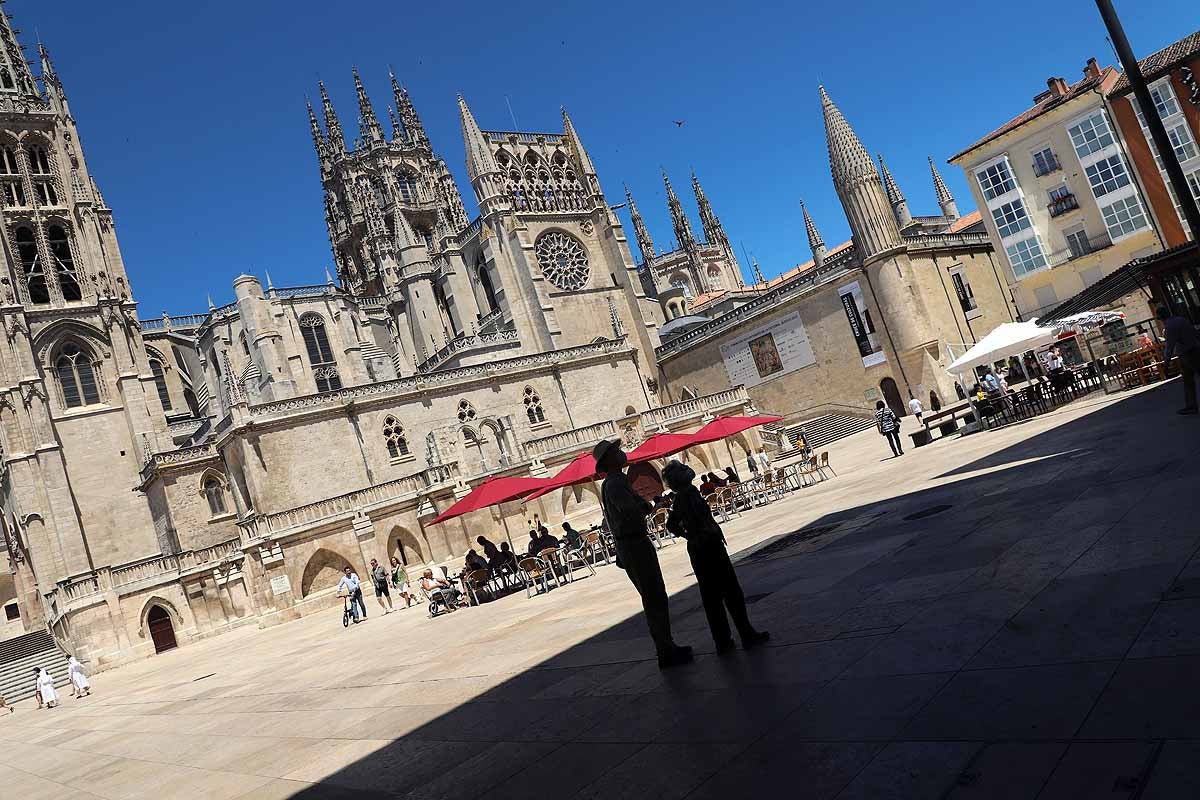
[[815, 243], [319, 141], [337, 140], [644, 242], [585, 161], [479, 155], [683, 228], [413, 129], [12, 61], [368, 124], [894, 195], [859, 187], [944, 198]]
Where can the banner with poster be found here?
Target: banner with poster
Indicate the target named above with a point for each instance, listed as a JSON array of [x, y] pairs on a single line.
[[861, 325], [769, 351]]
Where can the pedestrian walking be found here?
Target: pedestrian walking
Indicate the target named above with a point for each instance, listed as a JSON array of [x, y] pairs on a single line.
[[752, 465], [764, 463], [914, 405], [692, 519], [47, 694], [1183, 342], [380, 577], [889, 426], [351, 587], [625, 512], [80, 685], [400, 581]]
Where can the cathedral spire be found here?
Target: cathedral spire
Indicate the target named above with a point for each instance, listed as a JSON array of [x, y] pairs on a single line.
[[337, 140], [644, 242], [413, 129], [815, 243], [859, 187], [585, 162], [480, 160], [679, 220], [50, 79], [319, 141], [944, 198], [714, 233], [15, 75], [397, 129], [894, 195], [368, 125], [758, 275]]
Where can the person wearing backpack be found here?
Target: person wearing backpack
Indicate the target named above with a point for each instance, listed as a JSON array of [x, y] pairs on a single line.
[[692, 519], [889, 426]]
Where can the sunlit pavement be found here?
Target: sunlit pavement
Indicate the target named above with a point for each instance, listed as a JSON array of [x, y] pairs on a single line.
[[1011, 614]]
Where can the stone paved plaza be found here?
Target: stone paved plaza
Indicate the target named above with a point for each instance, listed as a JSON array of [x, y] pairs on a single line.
[[1034, 632]]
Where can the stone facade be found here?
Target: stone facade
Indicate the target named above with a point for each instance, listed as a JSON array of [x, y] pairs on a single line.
[[876, 318], [171, 478]]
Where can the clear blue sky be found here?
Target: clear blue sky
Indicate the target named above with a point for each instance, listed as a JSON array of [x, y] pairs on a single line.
[[192, 114]]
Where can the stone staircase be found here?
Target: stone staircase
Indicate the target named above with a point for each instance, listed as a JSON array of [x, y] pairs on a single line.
[[820, 431], [19, 656]]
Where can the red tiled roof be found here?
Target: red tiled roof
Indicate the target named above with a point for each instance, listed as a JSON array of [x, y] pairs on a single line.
[[1047, 103], [965, 222], [1156, 64]]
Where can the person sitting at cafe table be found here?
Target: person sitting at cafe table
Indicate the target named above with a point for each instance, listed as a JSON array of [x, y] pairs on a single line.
[[707, 487], [731, 476], [490, 551], [507, 559], [574, 538], [540, 540], [440, 587], [474, 561]]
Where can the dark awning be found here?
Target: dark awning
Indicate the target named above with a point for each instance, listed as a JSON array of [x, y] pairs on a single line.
[[1106, 291]]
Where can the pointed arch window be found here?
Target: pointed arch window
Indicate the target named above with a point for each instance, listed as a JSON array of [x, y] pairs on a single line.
[[6, 80], [160, 383], [485, 280], [214, 492], [320, 355], [407, 186], [76, 373], [64, 264], [31, 262], [393, 436], [533, 407], [39, 162]]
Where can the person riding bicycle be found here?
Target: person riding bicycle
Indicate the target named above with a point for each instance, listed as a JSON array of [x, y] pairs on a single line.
[[351, 588]]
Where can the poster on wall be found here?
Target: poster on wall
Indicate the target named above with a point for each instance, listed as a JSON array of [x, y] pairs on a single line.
[[861, 325], [767, 352]]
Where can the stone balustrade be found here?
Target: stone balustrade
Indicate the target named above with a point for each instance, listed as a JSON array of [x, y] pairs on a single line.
[[570, 440], [464, 343], [332, 507], [708, 404], [182, 455]]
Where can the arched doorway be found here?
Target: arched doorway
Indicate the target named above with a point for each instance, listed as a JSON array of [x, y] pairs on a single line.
[[891, 396], [404, 546], [162, 631], [323, 571]]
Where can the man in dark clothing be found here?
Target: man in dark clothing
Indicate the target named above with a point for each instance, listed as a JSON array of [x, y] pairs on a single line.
[[540, 540], [1183, 342], [625, 512], [692, 519]]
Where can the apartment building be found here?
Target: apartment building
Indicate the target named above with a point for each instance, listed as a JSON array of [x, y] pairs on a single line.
[[1060, 201]]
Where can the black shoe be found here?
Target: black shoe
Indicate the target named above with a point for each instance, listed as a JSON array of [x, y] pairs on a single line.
[[679, 655], [755, 639], [726, 646], [1187, 412]]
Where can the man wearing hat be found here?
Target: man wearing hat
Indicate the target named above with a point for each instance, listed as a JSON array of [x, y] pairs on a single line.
[[625, 513]]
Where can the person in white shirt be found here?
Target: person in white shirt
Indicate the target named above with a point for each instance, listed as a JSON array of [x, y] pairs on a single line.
[[763, 462], [914, 405], [350, 586], [47, 694], [80, 686]]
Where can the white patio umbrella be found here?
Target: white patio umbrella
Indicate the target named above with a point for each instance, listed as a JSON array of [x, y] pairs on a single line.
[[1009, 339]]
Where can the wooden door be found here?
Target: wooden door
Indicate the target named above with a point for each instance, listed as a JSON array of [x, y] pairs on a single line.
[[162, 632]]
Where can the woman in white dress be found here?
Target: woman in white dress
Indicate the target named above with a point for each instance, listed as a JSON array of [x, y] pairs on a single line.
[[80, 686], [47, 694]]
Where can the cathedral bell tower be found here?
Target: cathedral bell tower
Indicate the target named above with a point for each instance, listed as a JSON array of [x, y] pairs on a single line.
[[79, 410]]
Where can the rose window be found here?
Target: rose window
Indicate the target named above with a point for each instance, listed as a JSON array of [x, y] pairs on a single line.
[[563, 260]]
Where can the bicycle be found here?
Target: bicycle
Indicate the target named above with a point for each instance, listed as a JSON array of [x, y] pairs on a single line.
[[347, 610]]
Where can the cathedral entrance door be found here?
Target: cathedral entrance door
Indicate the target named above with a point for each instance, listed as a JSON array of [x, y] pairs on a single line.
[[162, 632], [891, 396]]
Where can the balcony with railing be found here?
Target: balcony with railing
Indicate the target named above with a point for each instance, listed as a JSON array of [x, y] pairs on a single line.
[[1079, 247], [574, 439], [715, 403], [1063, 205]]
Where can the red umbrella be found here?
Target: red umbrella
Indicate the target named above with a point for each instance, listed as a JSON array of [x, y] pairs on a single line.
[[661, 445], [724, 427], [581, 470], [492, 492]]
